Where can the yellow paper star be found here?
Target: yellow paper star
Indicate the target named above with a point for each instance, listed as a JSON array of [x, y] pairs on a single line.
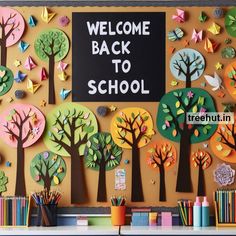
[[113, 108], [17, 63], [214, 29], [63, 76], [47, 16], [32, 87], [219, 66], [43, 103], [10, 99]]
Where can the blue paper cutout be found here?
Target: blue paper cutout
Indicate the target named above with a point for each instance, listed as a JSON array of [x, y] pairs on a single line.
[[19, 77], [64, 93], [23, 46], [32, 21]]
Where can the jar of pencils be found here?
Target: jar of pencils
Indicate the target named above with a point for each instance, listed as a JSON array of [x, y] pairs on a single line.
[[118, 211]]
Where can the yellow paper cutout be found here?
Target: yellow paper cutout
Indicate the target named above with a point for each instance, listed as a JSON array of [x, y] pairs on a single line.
[[17, 63], [219, 66], [63, 76], [47, 16], [32, 87], [214, 29]]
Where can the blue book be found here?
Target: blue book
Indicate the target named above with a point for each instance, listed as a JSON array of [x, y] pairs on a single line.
[[18, 215]]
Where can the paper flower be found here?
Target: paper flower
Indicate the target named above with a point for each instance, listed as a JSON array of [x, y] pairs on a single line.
[[63, 21], [190, 94], [224, 175]]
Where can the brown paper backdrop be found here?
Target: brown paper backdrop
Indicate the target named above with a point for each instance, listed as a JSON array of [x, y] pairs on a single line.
[[151, 191]]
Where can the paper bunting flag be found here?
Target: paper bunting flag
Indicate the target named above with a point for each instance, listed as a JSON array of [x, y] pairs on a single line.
[[23, 46], [215, 81], [46, 15], [175, 34], [202, 17], [61, 65], [179, 17], [19, 77], [63, 76], [224, 175], [32, 21], [214, 29], [32, 87], [210, 45], [197, 36], [29, 63], [64, 93], [43, 74]]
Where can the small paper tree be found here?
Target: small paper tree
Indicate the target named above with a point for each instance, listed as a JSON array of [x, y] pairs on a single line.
[[102, 154], [69, 127], [202, 160], [230, 78], [3, 182], [161, 157], [21, 126], [132, 128], [187, 65], [223, 142], [52, 45], [48, 169], [171, 123], [12, 27]]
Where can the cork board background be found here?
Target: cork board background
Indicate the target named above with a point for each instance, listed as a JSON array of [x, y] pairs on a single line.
[[151, 191]]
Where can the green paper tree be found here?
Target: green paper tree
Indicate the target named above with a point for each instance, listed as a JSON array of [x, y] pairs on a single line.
[[69, 127], [51, 45], [102, 154], [171, 123], [48, 169], [6, 80], [3, 182]]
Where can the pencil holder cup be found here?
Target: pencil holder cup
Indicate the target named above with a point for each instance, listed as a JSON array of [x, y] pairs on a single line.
[[118, 215], [47, 215]]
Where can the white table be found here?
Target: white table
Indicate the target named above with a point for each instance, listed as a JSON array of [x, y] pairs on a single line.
[[62, 230], [176, 230]]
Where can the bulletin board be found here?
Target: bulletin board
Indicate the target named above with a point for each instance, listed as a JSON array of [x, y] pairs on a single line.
[[215, 40]]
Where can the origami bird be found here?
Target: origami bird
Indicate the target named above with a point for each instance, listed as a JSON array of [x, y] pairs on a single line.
[[215, 81]]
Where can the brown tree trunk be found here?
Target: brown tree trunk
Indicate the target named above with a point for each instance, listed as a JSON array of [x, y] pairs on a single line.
[[102, 191], [3, 53], [51, 87], [184, 176], [162, 187], [188, 81], [47, 181], [78, 186], [201, 182], [137, 188], [20, 189]]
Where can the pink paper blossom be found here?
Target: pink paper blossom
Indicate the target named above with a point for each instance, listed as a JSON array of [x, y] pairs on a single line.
[[64, 21], [190, 94]]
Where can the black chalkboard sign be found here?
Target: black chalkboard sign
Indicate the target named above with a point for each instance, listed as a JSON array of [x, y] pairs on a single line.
[[118, 56]]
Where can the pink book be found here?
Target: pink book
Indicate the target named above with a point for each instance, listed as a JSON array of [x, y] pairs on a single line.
[[166, 219]]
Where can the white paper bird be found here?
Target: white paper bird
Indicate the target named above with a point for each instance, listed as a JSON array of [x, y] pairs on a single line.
[[215, 81]]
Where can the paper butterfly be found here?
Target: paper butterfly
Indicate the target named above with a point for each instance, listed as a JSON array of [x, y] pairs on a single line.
[[175, 34], [215, 81], [197, 36], [180, 17]]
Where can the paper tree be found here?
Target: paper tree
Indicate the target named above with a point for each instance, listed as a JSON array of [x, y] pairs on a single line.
[[202, 160], [6, 80], [52, 45], [171, 123], [12, 27], [223, 142], [187, 65], [3, 182], [69, 127], [102, 154], [21, 126], [230, 22], [48, 169], [230, 79], [161, 157], [132, 128]]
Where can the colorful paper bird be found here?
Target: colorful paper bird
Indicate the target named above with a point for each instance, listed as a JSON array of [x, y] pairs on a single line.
[[197, 36], [43, 74], [61, 65], [32, 21], [215, 81], [180, 16], [64, 93], [46, 15], [214, 29], [175, 34], [210, 45], [32, 87], [63, 76], [29, 63], [202, 17], [23, 46], [19, 77]]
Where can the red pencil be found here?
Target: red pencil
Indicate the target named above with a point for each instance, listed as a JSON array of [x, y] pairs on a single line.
[[190, 213]]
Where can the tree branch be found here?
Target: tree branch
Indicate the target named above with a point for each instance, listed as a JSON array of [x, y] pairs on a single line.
[[226, 142]]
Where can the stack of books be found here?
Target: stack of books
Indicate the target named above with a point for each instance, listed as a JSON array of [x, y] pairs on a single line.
[[14, 211], [226, 205], [143, 217]]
